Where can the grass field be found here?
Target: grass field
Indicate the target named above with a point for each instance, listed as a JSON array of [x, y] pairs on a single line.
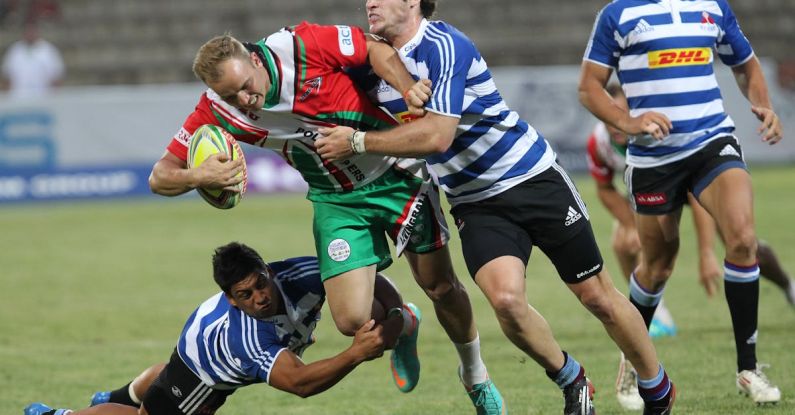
[[92, 293]]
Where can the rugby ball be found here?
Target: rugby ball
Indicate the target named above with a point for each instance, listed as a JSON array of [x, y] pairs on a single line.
[[206, 141]]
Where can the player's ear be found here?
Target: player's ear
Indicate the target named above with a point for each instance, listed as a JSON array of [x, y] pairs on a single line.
[[231, 299], [255, 60]]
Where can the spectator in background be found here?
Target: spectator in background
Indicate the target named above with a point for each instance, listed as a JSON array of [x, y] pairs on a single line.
[[32, 66]]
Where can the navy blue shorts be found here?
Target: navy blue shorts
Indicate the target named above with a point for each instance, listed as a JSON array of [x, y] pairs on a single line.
[[663, 189], [546, 211]]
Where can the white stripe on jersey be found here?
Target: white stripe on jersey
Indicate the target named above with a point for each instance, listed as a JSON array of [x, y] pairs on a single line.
[[671, 86], [447, 57], [686, 112], [631, 13]]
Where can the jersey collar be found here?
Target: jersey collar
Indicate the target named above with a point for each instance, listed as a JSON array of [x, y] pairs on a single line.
[[415, 41], [271, 64]]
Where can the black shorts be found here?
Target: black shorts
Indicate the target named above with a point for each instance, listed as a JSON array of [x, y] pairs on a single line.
[[545, 210], [663, 189], [178, 391]]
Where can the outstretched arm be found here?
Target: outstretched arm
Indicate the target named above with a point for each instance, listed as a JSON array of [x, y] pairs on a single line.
[[751, 80], [291, 375]]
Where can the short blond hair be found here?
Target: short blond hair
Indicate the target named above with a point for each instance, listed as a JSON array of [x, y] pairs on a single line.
[[214, 52]]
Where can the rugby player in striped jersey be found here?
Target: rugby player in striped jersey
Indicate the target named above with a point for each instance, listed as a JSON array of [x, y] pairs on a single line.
[[682, 141], [507, 194], [254, 331]]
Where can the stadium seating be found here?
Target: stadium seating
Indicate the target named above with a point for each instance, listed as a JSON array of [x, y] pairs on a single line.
[[153, 41]]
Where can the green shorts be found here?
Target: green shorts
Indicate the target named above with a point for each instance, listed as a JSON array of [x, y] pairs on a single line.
[[351, 228]]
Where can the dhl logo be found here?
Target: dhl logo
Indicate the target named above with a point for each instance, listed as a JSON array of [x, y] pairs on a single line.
[[679, 57]]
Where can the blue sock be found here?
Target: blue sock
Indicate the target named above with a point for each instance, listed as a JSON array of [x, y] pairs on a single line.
[[656, 388], [569, 373]]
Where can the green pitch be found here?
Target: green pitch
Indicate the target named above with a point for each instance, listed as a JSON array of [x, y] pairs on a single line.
[[92, 293]]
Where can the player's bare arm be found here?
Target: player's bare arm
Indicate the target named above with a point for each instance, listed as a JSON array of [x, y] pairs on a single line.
[[751, 80], [430, 134], [616, 204], [171, 176], [387, 65], [593, 96], [291, 375]]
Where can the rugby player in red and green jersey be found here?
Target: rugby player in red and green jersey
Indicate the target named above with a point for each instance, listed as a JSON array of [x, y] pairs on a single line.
[[275, 94]]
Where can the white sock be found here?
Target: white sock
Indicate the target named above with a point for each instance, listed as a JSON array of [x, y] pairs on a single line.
[[131, 392], [473, 370]]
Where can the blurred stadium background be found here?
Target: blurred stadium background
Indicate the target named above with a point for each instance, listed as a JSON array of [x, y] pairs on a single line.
[[93, 288]]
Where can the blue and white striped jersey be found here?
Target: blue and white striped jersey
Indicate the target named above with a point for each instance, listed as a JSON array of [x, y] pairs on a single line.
[[663, 52], [493, 149], [228, 349]]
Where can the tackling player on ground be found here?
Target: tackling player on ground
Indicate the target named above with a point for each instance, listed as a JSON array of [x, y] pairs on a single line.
[[254, 331], [681, 141]]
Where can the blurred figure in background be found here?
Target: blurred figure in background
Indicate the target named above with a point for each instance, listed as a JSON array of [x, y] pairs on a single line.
[[32, 66]]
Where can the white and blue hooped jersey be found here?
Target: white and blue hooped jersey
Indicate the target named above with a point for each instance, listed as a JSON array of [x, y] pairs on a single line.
[[663, 52], [493, 149], [228, 349]]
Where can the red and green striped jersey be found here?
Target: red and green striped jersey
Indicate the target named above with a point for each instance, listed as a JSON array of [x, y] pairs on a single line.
[[310, 89]]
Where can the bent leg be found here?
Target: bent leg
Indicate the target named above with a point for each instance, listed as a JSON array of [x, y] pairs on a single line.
[[502, 282], [434, 273], [350, 298], [729, 199]]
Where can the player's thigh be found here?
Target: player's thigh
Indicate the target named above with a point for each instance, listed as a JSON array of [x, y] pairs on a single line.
[[577, 258], [347, 238], [432, 269], [729, 199], [659, 237], [486, 234], [350, 297]]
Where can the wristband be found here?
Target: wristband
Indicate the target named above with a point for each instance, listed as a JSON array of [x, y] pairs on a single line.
[[356, 141]]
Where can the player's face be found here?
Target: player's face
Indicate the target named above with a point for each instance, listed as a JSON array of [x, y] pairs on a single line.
[[388, 17], [257, 295], [244, 83]]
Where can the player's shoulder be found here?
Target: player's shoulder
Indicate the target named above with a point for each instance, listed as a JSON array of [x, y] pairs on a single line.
[[442, 36]]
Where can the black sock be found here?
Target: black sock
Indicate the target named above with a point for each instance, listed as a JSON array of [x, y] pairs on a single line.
[[122, 396], [647, 312], [743, 300]]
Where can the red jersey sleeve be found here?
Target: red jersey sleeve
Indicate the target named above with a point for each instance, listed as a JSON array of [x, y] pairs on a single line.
[[599, 170], [201, 115], [339, 46]]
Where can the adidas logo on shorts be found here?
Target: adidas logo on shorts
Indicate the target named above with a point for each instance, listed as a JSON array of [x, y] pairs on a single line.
[[729, 151], [572, 216]]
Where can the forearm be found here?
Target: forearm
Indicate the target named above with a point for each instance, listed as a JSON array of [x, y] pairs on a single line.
[[597, 100], [321, 375], [431, 134], [387, 65], [751, 81], [617, 205], [170, 179]]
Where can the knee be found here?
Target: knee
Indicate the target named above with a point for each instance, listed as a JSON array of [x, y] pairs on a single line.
[[508, 305], [742, 244], [440, 292], [348, 325], [598, 303]]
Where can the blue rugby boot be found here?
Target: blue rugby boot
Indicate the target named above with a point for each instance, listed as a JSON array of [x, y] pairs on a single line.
[[404, 361], [99, 398]]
